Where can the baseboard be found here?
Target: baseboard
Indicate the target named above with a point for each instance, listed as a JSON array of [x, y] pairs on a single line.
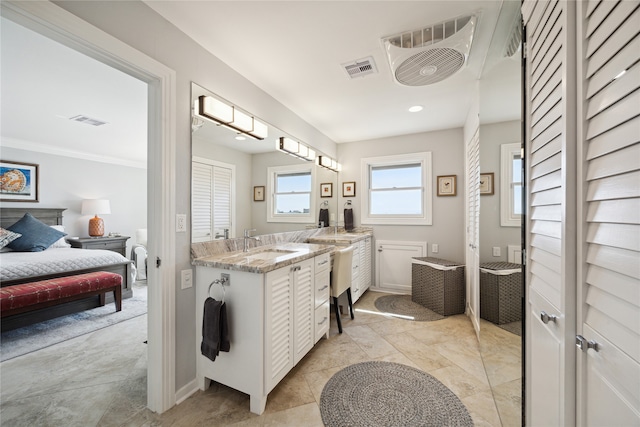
[[186, 391]]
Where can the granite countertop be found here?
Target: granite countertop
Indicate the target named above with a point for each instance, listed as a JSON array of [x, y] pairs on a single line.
[[344, 238], [263, 259]]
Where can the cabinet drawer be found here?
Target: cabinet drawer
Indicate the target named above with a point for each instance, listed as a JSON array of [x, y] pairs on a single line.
[[323, 262], [322, 320], [104, 245], [322, 287]]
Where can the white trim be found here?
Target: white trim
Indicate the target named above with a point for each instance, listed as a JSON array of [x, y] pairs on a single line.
[[186, 391], [298, 218], [507, 217], [424, 158], [56, 23]]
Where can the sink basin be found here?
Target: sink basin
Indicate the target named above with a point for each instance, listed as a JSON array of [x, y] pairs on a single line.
[[269, 254]]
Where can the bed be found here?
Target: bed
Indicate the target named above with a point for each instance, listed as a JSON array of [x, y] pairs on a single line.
[[24, 267]]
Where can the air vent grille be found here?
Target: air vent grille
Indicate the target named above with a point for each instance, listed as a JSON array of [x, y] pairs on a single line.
[[360, 68], [428, 35], [88, 120], [515, 39]]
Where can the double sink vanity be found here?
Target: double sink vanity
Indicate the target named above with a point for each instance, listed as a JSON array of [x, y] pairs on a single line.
[[277, 298]]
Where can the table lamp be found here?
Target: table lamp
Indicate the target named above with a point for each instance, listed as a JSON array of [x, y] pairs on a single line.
[[95, 207]]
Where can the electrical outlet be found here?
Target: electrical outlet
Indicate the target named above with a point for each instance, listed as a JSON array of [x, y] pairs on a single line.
[[187, 279], [435, 248], [496, 251], [181, 223]]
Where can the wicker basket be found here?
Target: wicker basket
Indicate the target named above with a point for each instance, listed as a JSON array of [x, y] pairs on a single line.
[[438, 285], [501, 292]]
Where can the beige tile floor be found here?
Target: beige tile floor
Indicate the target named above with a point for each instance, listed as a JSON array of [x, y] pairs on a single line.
[[99, 379]]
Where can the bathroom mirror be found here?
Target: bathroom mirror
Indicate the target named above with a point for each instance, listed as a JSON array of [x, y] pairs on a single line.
[[230, 179], [500, 340]]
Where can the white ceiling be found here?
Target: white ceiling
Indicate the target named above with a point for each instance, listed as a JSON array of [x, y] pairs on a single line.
[[291, 49]]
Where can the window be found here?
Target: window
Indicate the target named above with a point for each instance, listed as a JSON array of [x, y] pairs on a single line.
[[510, 185], [398, 189], [290, 191]]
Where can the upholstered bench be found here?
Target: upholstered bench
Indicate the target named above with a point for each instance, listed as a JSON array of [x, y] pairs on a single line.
[[25, 297]]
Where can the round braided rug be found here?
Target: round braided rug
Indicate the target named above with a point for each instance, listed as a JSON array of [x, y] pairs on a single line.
[[376, 393], [403, 306]]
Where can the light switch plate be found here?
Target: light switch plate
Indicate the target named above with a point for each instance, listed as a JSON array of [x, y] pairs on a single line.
[[187, 279], [435, 248], [496, 251]]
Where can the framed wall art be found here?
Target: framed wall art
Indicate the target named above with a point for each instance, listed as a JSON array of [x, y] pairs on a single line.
[[349, 189], [326, 189], [486, 184], [258, 193], [447, 185], [18, 182]]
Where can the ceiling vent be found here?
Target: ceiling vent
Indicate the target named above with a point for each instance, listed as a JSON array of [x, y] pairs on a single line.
[[87, 120], [360, 68], [428, 55]]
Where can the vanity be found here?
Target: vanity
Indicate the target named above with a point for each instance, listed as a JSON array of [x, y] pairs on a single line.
[[277, 299]]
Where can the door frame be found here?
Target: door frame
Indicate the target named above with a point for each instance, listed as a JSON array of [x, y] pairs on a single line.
[[57, 24]]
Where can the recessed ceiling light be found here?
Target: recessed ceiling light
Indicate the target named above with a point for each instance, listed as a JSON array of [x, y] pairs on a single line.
[[240, 138], [416, 108]]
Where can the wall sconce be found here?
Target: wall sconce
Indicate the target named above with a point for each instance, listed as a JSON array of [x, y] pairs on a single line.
[[95, 207], [230, 117], [329, 163], [296, 148]]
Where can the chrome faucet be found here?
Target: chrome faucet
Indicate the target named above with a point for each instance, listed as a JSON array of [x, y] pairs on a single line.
[[247, 236]]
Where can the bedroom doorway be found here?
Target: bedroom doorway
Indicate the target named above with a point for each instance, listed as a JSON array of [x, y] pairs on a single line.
[[55, 23]]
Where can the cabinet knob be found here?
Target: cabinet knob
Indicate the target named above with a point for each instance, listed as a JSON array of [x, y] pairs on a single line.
[[546, 318]]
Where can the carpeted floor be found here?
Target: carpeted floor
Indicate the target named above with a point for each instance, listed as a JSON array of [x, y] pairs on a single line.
[[44, 334], [402, 307], [377, 393]]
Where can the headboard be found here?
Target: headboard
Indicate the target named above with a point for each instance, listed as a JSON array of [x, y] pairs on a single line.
[[50, 216]]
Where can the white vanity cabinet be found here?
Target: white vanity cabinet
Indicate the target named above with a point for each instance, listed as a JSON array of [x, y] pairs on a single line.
[[321, 285], [364, 265], [272, 324]]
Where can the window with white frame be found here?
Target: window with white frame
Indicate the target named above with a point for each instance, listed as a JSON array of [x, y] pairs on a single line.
[[398, 189], [290, 193], [510, 185]]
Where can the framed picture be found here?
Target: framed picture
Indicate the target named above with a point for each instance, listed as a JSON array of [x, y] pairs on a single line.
[[258, 193], [486, 184], [348, 189], [326, 189], [18, 182], [447, 185]]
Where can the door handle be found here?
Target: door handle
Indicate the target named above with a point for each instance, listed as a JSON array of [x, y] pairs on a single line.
[[546, 318]]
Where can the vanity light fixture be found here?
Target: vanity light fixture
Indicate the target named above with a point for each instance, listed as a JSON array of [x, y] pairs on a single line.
[[230, 117], [329, 163], [295, 148]]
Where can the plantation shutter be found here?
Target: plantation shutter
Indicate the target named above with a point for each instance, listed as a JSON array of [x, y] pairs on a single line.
[[202, 201]]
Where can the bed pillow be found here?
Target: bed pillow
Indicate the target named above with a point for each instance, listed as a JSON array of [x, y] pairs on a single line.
[[7, 237], [36, 235], [61, 242]]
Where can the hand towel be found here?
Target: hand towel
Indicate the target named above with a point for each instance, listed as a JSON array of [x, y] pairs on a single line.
[[348, 219], [324, 217], [215, 334]]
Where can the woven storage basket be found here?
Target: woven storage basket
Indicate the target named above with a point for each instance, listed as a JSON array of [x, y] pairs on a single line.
[[441, 291], [500, 294]]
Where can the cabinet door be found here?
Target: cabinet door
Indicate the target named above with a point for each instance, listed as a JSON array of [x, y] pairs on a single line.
[[355, 274], [303, 309], [365, 265], [278, 326]]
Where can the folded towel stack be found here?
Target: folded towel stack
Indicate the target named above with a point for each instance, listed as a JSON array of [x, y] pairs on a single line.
[[215, 333]]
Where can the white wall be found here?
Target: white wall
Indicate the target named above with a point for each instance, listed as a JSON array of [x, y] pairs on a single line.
[[491, 232], [448, 212], [66, 181], [137, 25]]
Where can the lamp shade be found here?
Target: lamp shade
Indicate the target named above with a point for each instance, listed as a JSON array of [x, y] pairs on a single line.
[[95, 207]]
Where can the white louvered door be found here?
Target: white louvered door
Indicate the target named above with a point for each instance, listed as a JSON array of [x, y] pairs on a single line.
[[304, 307], [212, 203], [278, 326], [609, 278], [473, 228], [551, 240]]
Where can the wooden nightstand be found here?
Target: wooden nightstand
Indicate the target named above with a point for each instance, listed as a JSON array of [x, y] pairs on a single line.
[[115, 244]]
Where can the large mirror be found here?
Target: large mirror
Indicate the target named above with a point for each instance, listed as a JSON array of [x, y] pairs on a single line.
[[232, 179], [500, 233]]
